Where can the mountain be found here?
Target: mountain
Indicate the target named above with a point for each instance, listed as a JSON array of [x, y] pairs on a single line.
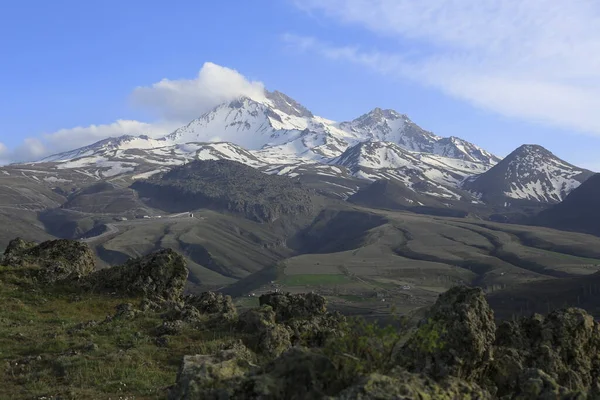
[[579, 211], [530, 173], [394, 195], [422, 172], [227, 186], [389, 126], [272, 133], [277, 135]]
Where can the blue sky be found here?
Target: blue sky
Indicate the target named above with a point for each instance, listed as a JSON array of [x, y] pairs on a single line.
[[498, 74]]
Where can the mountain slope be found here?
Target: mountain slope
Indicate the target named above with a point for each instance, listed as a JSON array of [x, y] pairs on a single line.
[[529, 173], [579, 211], [228, 186], [424, 173], [277, 130], [390, 126]]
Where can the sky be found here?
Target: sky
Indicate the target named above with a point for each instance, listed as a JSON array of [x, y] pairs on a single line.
[[497, 73]]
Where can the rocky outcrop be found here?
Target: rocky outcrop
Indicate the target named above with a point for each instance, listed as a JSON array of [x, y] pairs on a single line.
[[284, 320], [288, 306], [15, 251], [256, 319], [456, 352], [161, 274], [213, 303], [51, 261], [455, 338], [315, 331], [565, 345], [266, 336], [211, 376], [297, 374], [406, 386]]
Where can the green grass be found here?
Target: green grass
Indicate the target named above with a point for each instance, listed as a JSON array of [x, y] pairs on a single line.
[[314, 279], [41, 354]]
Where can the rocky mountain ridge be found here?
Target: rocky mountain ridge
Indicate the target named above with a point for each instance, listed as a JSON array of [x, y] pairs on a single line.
[[277, 135], [530, 173]]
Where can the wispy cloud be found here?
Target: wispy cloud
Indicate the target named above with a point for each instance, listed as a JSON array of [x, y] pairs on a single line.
[[538, 60], [173, 103]]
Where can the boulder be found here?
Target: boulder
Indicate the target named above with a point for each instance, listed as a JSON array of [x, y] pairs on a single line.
[[170, 328], [298, 374], [53, 260], [536, 384], [565, 345], [315, 332], [125, 311], [256, 319], [273, 340], [213, 303], [403, 385], [288, 306], [266, 336], [454, 339], [15, 249], [211, 377], [158, 275]]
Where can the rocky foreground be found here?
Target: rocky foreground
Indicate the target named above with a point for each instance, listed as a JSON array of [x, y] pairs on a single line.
[[58, 341]]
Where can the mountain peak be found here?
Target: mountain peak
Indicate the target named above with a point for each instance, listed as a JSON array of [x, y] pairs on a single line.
[[288, 105], [379, 115], [531, 172], [532, 149]]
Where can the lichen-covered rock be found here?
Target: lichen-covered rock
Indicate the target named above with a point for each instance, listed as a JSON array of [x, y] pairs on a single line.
[[266, 336], [288, 306], [536, 384], [273, 340], [125, 311], [256, 319], [213, 303], [565, 345], [315, 332], [211, 377], [161, 274], [53, 260], [455, 338], [406, 386], [15, 249], [298, 374], [170, 328]]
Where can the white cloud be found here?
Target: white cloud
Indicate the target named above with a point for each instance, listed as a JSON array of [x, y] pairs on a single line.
[[173, 102], [538, 60], [187, 99]]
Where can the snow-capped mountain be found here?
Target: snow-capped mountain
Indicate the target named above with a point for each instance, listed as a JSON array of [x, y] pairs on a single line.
[[390, 126], [426, 173], [278, 135], [529, 173]]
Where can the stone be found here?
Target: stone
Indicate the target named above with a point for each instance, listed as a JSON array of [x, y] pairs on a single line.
[[455, 339], [406, 386], [53, 260], [213, 303], [288, 306], [565, 345], [210, 376], [161, 274]]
